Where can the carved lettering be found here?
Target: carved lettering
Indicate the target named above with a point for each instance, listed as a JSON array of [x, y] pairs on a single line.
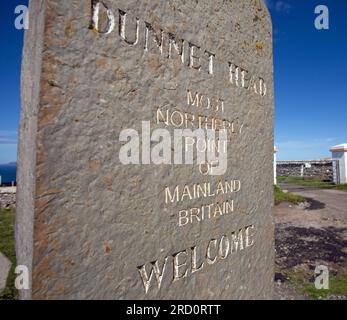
[[190, 54], [216, 250]]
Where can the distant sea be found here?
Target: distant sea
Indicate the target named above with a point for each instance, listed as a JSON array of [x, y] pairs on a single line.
[[8, 172]]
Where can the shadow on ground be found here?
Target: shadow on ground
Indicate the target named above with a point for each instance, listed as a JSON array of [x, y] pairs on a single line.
[[299, 245], [314, 204]]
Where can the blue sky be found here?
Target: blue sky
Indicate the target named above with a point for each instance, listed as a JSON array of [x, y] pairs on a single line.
[[10, 64], [310, 79]]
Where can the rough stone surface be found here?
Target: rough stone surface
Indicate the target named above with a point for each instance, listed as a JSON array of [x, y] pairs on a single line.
[[7, 200], [321, 169], [5, 266], [87, 224]]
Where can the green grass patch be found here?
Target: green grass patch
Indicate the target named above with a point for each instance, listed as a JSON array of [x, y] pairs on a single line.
[[281, 196], [311, 182], [342, 187], [7, 248], [337, 286]]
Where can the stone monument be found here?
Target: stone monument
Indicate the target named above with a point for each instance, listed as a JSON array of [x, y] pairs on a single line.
[[105, 210]]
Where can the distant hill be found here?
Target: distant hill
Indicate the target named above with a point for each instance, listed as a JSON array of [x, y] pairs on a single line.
[[8, 173], [10, 164]]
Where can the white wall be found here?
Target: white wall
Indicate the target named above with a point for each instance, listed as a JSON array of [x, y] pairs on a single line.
[[342, 157]]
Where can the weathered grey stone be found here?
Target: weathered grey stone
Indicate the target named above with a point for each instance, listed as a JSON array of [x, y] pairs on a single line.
[[7, 200], [5, 266], [320, 169], [7, 197], [90, 227]]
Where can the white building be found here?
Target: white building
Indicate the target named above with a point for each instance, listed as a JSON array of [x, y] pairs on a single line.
[[275, 166], [339, 153]]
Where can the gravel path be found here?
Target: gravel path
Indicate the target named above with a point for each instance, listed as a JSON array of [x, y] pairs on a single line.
[[310, 234]]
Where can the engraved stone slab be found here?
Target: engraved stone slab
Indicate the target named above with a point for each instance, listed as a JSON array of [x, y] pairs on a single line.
[[90, 226]]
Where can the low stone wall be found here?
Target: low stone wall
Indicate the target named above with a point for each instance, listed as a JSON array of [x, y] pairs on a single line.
[[7, 198], [321, 169]]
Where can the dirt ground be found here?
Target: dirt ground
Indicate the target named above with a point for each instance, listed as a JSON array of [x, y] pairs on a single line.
[[310, 234]]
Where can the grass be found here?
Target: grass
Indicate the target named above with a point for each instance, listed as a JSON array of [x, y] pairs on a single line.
[[311, 182], [7, 248], [281, 196], [337, 286]]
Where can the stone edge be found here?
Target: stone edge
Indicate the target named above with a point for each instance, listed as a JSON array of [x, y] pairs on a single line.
[[26, 159]]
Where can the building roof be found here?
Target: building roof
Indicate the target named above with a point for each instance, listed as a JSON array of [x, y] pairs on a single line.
[[339, 148]]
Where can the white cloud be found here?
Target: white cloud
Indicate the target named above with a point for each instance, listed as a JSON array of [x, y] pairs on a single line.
[[305, 150], [278, 6], [8, 137], [296, 144], [282, 6]]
